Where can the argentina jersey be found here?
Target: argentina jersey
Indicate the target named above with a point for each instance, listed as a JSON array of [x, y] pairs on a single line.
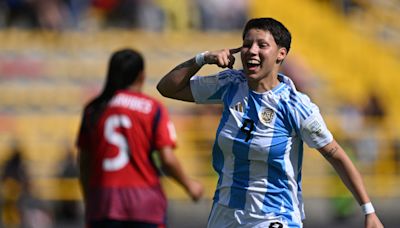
[[258, 149]]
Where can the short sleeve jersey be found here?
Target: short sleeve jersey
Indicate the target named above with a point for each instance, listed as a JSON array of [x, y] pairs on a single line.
[[123, 174], [258, 149]]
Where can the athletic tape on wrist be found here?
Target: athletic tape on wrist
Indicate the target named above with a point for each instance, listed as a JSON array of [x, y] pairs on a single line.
[[200, 61], [367, 208]]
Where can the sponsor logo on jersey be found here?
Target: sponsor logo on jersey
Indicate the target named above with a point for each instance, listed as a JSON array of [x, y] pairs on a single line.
[[266, 115]]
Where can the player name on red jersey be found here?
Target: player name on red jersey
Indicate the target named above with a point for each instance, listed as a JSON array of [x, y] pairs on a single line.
[[132, 102]]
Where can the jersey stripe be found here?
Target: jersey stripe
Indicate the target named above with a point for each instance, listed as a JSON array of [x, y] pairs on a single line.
[[299, 104], [218, 156], [240, 173], [277, 188], [240, 176]]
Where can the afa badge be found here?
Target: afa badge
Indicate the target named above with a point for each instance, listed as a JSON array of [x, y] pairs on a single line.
[[266, 115]]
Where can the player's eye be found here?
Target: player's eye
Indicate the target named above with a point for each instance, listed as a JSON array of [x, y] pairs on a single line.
[[263, 45]]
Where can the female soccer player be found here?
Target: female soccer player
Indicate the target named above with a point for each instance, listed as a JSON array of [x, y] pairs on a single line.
[[120, 129], [258, 148]]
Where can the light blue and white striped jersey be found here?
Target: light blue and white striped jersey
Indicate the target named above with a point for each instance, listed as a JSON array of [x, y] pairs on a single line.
[[258, 149]]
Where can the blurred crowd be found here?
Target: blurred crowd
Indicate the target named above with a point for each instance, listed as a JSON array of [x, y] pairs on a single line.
[[161, 15], [143, 14], [20, 206]]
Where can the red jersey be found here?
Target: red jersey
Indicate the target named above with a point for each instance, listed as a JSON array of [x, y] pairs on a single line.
[[123, 180]]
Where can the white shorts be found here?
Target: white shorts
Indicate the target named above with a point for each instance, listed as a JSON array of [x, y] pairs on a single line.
[[224, 217]]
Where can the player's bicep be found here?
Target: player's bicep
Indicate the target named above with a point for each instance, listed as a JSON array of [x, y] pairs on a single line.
[[166, 154], [184, 94]]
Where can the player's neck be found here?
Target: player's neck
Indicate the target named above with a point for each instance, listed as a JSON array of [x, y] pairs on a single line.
[[136, 87], [264, 84]]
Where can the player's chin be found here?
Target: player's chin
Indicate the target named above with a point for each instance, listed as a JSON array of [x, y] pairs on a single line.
[[251, 74]]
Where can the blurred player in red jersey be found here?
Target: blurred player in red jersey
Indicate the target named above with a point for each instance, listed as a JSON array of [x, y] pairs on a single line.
[[120, 129]]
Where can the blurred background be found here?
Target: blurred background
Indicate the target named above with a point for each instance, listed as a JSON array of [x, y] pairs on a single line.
[[53, 58]]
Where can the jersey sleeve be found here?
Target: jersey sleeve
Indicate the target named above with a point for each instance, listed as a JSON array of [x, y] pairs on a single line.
[[313, 129], [211, 89], [165, 134]]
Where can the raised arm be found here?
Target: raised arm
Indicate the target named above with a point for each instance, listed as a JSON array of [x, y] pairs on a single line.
[[350, 176], [176, 83]]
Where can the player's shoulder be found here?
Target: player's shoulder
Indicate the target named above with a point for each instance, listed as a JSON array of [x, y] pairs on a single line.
[[290, 92], [232, 75], [295, 100], [137, 95], [300, 97]]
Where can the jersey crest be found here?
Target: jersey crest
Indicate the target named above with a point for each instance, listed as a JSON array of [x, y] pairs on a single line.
[[266, 115]]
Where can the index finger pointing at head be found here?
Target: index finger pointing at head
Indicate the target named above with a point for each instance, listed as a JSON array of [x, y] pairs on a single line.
[[234, 50]]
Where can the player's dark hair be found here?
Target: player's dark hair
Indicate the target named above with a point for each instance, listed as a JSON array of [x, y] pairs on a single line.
[[124, 68], [280, 33]]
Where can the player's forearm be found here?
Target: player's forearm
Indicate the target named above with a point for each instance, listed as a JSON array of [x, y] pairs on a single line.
[[178, 79], [172, 167], [347, 171], [174, 170], [353, 181]]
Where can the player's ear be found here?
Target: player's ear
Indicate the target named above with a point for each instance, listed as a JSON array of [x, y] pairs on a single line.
[[282, 52]]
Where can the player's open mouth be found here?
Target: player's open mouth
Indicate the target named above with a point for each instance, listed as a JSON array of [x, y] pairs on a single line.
[[252, 64]]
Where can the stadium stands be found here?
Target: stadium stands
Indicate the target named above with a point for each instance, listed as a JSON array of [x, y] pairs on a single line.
[[47, 77]]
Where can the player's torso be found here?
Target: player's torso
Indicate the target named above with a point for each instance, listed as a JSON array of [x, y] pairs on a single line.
[[253, 126], [257, 153], [124, 142]]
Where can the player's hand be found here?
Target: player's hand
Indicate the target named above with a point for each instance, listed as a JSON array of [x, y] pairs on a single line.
[[195, 190], [222, 58], [372, 221]]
